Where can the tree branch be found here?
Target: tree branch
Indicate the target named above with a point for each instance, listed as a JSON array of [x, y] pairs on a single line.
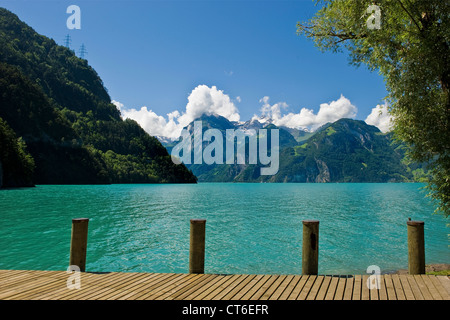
[[331, 33], [410, 15]]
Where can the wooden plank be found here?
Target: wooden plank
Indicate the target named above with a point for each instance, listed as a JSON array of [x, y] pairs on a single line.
[[374, 291], [292, 284], [230, 295], [258, 294], [439, 287], [46, 285], [136, 289], [5, 273], [205, 288], [431, 287], [273, 287], [307, 287], [94, 284], [17, 279], [315, 288], [172, 288], [391, 295], [340, 289], [55, 291], [349, 284], [283, 285], [332, 288], [221, 279], [256, 287], [23, 286], [365, 291], [423, 288], [445, 282], [238, 288], [117, 288], [357, 287], [192, 282], [399, 291], [202, 281], [60, 292], [98, 286], [298, 288], [39, 284], [89, 285], [245, 290], [8, 274], [164, 290], [414, 287], [226, 284], [23, 276], [323, 288], [242, 278], [135, 286], [406, 287], [382, 293]]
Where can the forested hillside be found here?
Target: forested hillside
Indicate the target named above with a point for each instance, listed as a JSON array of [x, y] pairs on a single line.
[[57, 108]]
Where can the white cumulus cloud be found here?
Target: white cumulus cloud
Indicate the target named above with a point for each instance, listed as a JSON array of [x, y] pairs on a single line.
[[380, 118], [202, 100], [210, 100], [306, 118]]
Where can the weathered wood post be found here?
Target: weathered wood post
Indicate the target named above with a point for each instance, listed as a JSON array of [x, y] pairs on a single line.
[[78, 243], [310, 254], [197, 246], [416, 247]]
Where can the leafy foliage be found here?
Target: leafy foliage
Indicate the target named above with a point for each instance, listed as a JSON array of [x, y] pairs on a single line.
[[411, 51], [16, 164]]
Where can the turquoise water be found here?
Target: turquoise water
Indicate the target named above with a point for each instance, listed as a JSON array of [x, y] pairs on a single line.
[[251, 228]]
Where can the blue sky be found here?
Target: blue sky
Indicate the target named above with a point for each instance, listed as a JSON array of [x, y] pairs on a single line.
[[155, 53]]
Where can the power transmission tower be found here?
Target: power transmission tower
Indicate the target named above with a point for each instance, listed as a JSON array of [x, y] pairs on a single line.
[[67, 41], [82, 52]]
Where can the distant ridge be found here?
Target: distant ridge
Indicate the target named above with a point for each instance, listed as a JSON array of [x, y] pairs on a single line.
[[344, 151]]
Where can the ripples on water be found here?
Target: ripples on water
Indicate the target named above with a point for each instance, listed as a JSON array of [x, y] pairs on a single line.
[[251, 228]]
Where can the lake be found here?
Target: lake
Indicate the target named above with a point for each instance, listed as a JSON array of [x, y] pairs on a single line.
[[251, 227]]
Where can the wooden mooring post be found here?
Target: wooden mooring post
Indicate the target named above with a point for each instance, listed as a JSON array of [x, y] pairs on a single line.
[[416, 247], [197, 246], [310, 248], [78, 243], [310, 253]]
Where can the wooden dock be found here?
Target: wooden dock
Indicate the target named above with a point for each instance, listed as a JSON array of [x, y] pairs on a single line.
[[53, 285]]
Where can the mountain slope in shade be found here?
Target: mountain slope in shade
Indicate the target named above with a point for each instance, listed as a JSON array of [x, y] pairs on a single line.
[[57, 105]]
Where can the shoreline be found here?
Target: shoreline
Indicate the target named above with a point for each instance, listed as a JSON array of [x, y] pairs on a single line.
[[441, 268]]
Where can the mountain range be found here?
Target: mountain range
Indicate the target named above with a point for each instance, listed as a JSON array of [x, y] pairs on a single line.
[[344, 151]]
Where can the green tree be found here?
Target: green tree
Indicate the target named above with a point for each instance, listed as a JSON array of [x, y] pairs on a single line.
[[410, 49], [16, 164]]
